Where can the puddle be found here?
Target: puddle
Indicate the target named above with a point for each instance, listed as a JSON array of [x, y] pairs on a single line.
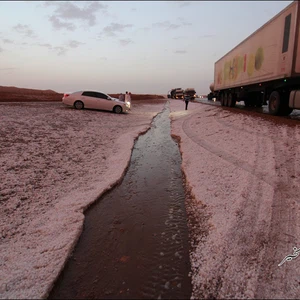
[[135, 239]]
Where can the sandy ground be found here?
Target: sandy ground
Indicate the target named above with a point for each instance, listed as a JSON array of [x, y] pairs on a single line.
[[55, 161], [242, 174]]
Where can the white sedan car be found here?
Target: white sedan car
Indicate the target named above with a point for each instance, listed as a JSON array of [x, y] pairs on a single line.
[[95, 100]]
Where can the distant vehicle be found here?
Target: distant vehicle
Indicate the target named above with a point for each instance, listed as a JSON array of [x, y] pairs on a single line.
[[95, 100], [212, 95], [264, 67], [176, 93], [190, 92]]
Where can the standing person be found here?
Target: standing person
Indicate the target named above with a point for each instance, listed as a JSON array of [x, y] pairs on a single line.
[[187, 99], [122, 97], [127, 97]]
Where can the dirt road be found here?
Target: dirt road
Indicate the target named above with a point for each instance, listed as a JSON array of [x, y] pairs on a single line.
[[243, 171]]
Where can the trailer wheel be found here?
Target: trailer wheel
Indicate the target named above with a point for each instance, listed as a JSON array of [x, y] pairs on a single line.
[[225, 99], [231, 100], [274, 103], [279, 104], [222, 99]]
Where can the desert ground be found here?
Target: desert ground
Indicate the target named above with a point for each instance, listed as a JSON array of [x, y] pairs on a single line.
[[242, 179]]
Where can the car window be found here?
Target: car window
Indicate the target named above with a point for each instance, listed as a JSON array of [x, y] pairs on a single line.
[[102, 96], [89, 94]]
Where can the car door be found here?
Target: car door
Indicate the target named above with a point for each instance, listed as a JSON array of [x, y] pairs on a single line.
[[89, 99], [105, 102]]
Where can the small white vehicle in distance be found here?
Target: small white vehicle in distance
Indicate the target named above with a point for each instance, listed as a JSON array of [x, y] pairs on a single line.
[[95, 100]]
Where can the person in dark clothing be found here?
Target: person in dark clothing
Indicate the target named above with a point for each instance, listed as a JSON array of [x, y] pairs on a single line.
[[187, 99]]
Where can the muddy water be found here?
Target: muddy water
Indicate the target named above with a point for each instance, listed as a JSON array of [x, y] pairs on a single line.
[[135, 239]]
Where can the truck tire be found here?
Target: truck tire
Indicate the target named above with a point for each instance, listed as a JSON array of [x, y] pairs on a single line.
[[279, 104], [225, 99], [222, 99], [231, 100], [274, 103]]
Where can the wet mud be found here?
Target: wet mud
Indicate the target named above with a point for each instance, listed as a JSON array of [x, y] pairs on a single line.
[[135, 239]]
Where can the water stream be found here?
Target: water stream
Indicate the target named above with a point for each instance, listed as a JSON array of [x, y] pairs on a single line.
[[135, 239]]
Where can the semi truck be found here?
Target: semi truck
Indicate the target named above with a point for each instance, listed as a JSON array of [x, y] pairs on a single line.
[[212, 95], [176, 93], [265, 67], [190, 92]]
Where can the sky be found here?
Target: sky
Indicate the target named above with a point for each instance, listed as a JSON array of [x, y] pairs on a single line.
[[116, 46]]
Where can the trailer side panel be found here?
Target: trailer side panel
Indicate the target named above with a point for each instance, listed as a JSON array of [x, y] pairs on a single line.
[[297, 48], [265, 55]]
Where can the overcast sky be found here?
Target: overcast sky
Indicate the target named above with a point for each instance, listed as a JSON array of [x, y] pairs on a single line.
[[140, 46]]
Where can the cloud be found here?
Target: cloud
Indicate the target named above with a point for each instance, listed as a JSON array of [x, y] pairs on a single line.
[[114, 28], [166, 25], [180, 51], [179, 37], [58, 24], [45, 45], [25, 30], [146, 29], [1, 50], [60, 50], [57, 49], [74, 44], [183, 22], [7, 41], [69, 11], [205, 36], [125, 42]]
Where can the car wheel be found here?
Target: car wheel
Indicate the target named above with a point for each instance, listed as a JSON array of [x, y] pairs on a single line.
[[117, 109], [78, 104]]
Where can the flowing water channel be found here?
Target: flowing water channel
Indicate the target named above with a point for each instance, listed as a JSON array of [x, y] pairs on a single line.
[[135, 239]]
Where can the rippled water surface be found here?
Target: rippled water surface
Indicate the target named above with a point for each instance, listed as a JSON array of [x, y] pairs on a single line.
[[135, 239]]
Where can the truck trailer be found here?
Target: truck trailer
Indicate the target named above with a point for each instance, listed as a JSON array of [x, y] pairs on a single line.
[[265, 67]]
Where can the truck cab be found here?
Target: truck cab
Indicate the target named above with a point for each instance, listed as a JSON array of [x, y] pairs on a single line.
[[176, 93], [190, 92]]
